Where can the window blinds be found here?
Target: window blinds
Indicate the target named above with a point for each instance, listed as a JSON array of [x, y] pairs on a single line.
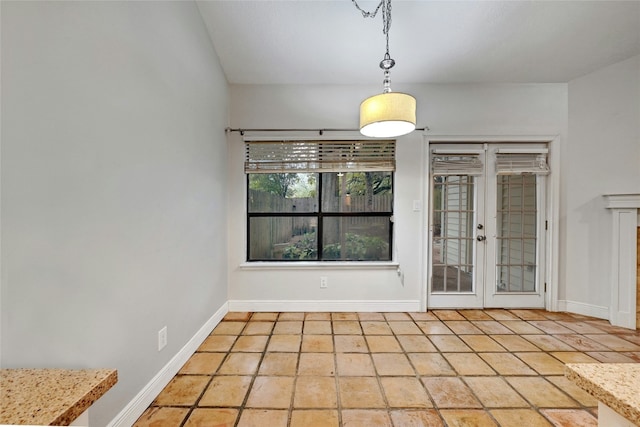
[[319, 156], [456, 164], [521, 163]]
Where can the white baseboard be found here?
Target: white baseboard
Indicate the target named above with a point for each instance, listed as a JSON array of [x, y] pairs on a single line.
[[584, 309], [146, 396], [334, 306]]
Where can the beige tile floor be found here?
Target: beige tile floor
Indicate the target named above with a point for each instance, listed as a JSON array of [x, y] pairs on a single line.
[[441, 368]]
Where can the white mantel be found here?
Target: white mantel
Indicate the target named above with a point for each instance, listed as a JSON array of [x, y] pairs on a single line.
[[625, 208]]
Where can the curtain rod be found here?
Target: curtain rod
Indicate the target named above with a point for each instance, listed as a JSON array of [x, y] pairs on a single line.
[[320, 131]]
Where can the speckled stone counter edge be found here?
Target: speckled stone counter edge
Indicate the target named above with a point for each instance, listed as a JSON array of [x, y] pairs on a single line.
[[617, 393], [85, 402], [34, 383]]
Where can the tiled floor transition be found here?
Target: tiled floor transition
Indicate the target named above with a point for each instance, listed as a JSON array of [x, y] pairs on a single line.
[[442, 368]]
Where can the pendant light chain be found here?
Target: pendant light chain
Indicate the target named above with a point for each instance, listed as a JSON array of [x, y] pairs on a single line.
[[386, 23], [366, 14], [385, 5]]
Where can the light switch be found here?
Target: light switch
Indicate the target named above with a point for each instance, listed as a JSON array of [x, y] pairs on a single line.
[[417, 205]]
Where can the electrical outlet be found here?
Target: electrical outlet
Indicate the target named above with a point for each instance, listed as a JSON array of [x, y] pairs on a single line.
[[323, 282], [162, 338]]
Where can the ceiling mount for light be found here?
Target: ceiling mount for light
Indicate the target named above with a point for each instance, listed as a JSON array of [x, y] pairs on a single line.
[[388, 114]]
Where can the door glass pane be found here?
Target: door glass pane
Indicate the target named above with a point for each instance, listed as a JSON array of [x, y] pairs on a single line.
[[453, 231], [516, 233]]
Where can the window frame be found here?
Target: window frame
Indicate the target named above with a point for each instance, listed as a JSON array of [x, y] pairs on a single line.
[[319, 214]]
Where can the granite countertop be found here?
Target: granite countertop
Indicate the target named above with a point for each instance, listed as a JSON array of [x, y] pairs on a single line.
[[50, 396], [617, 385]]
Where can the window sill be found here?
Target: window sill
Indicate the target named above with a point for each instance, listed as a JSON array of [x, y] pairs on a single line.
[[324, 265]]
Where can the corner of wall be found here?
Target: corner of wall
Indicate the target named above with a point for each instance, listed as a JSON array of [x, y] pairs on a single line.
[[136, 407]]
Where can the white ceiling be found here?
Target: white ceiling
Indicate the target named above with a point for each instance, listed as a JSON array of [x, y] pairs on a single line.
[[329, 42]]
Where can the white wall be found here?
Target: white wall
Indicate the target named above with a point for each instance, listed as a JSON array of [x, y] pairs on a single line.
[[602, 156], [522, 109], [113, 186]]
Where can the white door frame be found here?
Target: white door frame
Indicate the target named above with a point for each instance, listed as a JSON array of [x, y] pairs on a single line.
[[552, 210]]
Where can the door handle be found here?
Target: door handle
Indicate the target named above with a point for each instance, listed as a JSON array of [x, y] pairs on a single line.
[[481, 238]]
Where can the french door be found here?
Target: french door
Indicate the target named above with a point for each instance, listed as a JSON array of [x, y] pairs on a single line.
[[487, 225]]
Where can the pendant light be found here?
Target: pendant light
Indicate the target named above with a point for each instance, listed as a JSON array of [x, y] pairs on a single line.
[[388, 114]]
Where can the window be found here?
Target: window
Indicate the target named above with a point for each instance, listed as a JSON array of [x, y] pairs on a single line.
[[320, 200]]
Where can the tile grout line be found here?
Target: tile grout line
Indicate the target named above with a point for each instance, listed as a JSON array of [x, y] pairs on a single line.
[[418, 375], [295, 374], [256, 372], [336, 377]]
